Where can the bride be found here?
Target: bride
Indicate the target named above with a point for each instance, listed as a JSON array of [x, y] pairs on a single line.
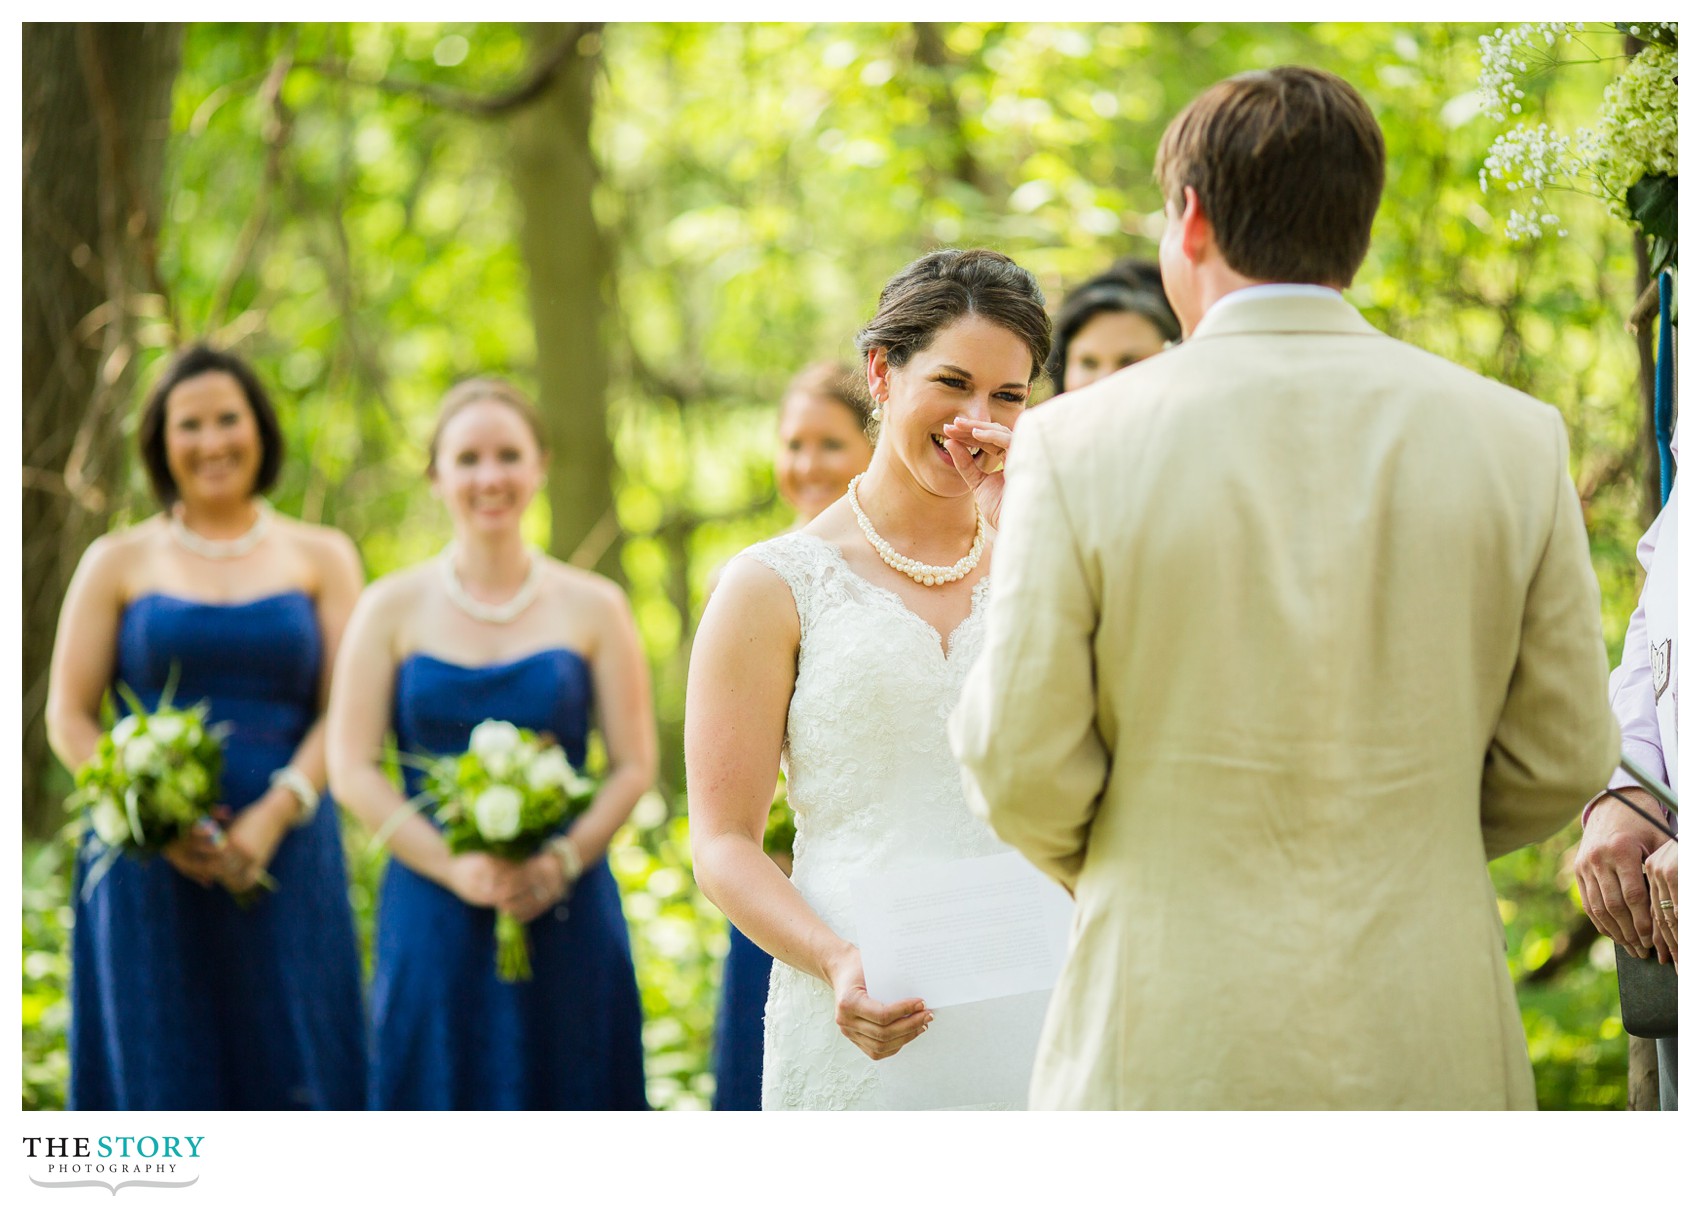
[[839, 651]]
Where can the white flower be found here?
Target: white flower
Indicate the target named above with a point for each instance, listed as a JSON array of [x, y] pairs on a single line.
[[496, 813], [140, 753], [495, 743], [110, 824], [165, 728], [1633, 136], [124, 729], [549, 769]]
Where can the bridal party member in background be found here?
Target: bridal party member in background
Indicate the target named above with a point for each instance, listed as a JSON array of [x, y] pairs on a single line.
[[493, 629], [180, 998], [1110, 322], [823, 442], [839, 650]]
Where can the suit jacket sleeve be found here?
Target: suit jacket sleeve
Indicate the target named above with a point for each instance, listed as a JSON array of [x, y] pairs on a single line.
[[1556, 741], [1026, 731]]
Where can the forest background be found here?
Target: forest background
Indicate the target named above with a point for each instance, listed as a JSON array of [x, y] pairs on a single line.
[[651, 227]]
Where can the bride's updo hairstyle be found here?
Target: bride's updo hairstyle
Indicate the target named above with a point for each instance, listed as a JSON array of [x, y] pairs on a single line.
[[473, 391], [942, 287]]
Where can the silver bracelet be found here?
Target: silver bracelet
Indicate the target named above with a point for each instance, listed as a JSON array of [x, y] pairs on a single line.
[[301, 787], [572, 866]]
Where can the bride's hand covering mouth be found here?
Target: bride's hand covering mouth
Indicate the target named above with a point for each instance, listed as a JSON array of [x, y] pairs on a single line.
[[980, 449]]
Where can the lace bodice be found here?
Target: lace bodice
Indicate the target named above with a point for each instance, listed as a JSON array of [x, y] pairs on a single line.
[[873, 786]]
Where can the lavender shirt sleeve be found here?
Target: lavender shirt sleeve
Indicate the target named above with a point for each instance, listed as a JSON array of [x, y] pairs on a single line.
[[1631, 689]]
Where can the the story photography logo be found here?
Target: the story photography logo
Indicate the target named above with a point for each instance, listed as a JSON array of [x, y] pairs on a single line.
[[114, 1162]]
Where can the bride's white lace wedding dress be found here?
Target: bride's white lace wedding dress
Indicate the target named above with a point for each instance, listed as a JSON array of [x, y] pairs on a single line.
[[874, 788]]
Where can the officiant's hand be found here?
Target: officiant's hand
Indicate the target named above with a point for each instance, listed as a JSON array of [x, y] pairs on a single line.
[[1615, 842], [1661, 886], [983, 473], [877, 1028]]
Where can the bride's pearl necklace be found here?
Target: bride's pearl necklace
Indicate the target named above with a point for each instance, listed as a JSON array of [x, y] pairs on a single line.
[[499, 612], [222, 549], [926, 574]]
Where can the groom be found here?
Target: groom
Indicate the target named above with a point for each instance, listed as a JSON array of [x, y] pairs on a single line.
[[1292, 629]]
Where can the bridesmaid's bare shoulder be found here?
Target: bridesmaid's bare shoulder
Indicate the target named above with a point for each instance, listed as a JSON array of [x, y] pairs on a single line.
[[325, 547], [115, 559]]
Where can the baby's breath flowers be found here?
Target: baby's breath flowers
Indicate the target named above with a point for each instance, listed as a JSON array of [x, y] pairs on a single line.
[[1620, 159]]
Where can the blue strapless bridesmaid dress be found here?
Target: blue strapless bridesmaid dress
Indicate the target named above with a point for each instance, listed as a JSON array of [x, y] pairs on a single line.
[[180, 999], [738, 1024], [448, 1034]]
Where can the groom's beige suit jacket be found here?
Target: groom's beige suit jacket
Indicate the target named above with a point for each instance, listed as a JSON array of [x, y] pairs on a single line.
[[1292, 629]]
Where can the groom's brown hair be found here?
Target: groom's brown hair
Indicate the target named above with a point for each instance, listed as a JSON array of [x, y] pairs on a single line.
[[1288, 165]]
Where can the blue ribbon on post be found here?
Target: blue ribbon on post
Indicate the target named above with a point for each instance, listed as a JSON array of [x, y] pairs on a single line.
[[1664, 390]]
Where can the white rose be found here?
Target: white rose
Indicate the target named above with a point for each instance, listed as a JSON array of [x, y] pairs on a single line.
[[494, 742], [549, 769], [124, 729], [110, 824], [140, 752], [496, 813], [165, 728]]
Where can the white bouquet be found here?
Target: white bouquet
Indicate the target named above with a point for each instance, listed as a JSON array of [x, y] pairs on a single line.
[[153, 778], [506, 795]]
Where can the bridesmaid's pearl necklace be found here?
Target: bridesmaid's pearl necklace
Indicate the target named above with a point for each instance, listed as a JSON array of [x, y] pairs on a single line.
[[925, 574], [222, 549], [499, 612]]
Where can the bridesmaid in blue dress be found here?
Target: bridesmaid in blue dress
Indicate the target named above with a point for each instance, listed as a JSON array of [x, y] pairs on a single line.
[[181, 999], [493, 629], [823, 443]]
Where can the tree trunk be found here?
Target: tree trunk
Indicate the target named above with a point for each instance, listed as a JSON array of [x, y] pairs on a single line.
[[933, 65], [96, 116], [1643, 1075], [568, 265]]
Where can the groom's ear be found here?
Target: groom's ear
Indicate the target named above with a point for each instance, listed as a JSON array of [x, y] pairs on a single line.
[[1198, 236]]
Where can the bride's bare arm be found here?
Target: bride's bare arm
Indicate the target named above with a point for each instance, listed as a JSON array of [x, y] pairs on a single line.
[[743, 667], [743, 664]]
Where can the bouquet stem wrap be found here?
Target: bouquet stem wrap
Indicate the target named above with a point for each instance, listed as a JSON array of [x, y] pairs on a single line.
[[513, 948]]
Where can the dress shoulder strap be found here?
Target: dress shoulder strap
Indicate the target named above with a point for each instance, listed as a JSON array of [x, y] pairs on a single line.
[[808, 566]]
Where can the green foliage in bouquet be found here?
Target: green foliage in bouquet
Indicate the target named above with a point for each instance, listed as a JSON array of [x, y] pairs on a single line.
[[506, 795], [153, 777]]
